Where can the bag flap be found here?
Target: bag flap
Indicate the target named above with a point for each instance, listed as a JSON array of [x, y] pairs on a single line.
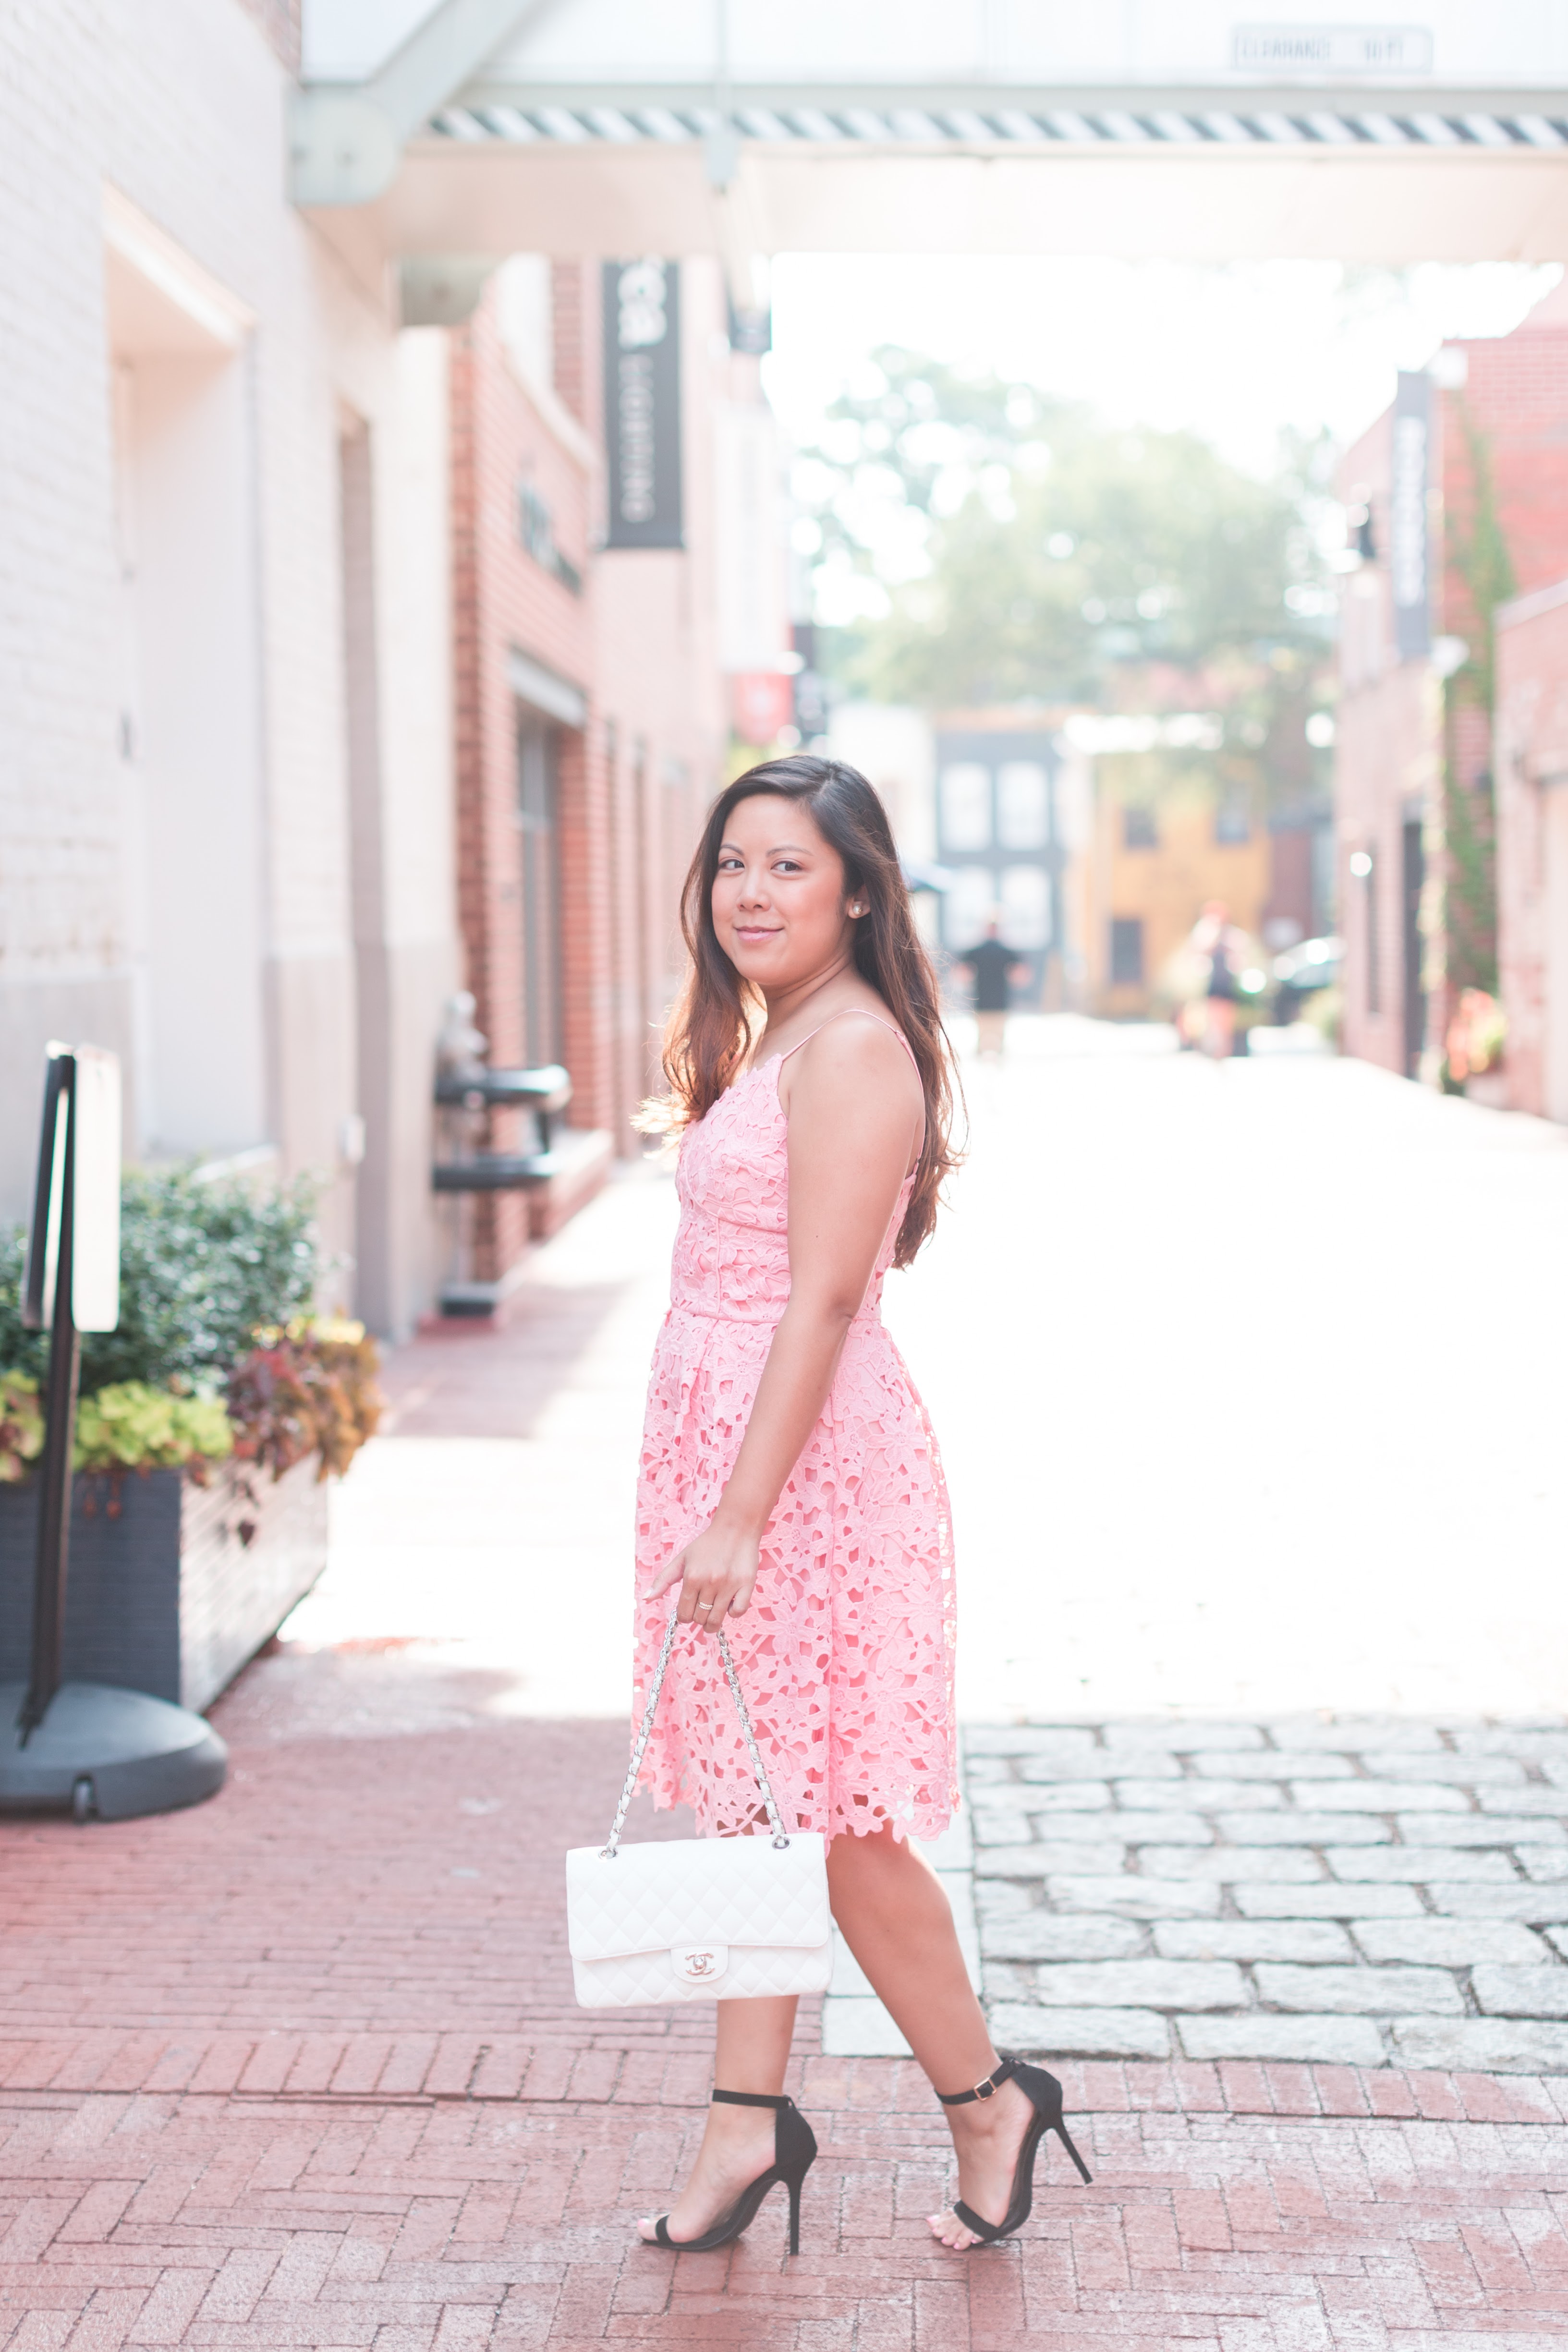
[[740, 1891]]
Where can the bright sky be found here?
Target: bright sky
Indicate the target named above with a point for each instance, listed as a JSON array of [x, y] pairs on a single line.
[[1233, 350]]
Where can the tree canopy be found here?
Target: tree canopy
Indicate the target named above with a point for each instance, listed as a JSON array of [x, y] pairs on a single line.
[[1030, 551]]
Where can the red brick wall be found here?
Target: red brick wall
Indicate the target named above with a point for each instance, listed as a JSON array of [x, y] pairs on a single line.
[[573, 287], [1389, 761], [586, 901], [503, 598], [1386, 766], [640, 644], [660, 681], [1531, 746], [660, 685], [653, 754], [1516, 399], [1514, 405]]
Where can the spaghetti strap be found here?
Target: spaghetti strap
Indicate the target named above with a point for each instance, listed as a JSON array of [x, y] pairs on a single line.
[[846, 1012]]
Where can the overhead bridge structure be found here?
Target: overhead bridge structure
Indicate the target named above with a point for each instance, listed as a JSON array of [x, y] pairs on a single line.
[[601, 126]]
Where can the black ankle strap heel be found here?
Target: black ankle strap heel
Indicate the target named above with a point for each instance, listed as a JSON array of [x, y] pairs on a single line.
[[1044, 2093], [794, 2152], [986, 2090]]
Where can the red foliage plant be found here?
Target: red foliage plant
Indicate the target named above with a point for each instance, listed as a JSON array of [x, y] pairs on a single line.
[[306, 1389]]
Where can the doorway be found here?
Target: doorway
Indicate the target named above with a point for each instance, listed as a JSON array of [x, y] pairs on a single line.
[[538, 770], [1413, 876], [188, 661]]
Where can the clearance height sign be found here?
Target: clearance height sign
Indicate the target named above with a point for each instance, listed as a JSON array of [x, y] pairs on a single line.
[[642, 402]]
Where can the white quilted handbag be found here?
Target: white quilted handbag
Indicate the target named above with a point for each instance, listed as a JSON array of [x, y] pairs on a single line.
[[724, 1918]]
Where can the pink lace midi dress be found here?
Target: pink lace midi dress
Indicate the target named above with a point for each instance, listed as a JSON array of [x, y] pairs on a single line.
[[846, 1655]]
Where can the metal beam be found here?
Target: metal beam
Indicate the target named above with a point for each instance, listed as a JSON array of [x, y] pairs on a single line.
[[697, 97], [1365, 204], [345, 142]]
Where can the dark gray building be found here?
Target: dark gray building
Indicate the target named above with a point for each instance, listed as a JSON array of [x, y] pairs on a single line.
[[998, 835]]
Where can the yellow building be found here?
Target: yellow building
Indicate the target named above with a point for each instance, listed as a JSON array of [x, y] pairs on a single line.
[[1162, 846]]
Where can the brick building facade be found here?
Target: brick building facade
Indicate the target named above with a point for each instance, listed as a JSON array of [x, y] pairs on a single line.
[[1414, 811], [1532, 745], [320, 692], [591, 719]]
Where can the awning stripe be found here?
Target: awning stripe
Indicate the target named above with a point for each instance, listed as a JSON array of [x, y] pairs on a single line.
[[491, 119]]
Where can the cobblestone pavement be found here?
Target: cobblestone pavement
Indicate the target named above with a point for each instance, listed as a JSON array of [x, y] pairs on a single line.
[[301, 2067], [1343, 1892]]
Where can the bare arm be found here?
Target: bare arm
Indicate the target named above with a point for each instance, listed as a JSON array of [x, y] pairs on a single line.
[[855, 1112]]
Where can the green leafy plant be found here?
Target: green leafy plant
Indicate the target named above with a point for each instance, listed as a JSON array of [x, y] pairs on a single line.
[[130, 1426], [1477, 1036], [21, 1425]]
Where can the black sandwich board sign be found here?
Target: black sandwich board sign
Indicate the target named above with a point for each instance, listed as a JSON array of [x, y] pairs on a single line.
[[86, 1748]]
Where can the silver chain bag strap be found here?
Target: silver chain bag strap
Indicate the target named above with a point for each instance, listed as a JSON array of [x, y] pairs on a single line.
[[722, 1918]]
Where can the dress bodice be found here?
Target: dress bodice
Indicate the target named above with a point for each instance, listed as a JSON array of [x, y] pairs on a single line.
[[731, 1248]]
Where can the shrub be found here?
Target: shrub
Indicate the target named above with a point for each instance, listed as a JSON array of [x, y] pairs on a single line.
[[201, 1268], [214, 1282]]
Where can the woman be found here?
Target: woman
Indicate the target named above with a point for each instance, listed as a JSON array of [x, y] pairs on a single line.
[[1214, 937], [790, 1483]]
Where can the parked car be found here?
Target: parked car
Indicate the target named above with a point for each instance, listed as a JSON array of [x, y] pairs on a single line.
[[1300, 971]]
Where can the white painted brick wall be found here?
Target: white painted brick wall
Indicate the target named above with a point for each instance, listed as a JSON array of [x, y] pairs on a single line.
[[180, 104]]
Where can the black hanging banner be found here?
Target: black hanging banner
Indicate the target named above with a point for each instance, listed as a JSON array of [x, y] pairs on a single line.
[[642, 402]]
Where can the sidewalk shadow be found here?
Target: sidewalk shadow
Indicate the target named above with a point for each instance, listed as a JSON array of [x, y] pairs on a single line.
[[494, 1378]]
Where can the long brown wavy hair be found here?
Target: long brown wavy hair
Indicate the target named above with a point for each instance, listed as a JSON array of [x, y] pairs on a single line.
[[717, 1016]]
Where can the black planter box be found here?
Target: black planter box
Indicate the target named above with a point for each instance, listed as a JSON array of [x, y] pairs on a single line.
[[165, 1597]]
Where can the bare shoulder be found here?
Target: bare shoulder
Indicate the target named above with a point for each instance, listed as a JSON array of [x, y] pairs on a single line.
[[859, 1048]]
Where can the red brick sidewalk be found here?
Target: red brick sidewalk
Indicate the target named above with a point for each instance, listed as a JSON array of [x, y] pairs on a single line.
[[301, 2068]]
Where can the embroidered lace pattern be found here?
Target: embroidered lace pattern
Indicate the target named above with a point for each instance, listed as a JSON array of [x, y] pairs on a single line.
[[846, 1655]]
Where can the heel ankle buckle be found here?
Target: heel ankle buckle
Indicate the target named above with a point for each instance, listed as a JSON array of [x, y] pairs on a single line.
[[987, 2089]]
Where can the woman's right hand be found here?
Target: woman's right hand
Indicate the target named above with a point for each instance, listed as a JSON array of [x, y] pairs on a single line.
[[717, 1572]]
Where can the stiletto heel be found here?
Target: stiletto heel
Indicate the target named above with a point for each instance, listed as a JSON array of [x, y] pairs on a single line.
[[1060, 2130], [1044, 2093], [795, 2153]]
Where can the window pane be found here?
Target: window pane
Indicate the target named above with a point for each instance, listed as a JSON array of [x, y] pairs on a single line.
[[1126, 951], [1233, 820], [966, 807], [1025, 908], [1021, 805], [967, 908]]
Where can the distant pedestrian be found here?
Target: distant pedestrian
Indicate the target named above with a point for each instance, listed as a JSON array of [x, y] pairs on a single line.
[[995, 972], [1217, 942]]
